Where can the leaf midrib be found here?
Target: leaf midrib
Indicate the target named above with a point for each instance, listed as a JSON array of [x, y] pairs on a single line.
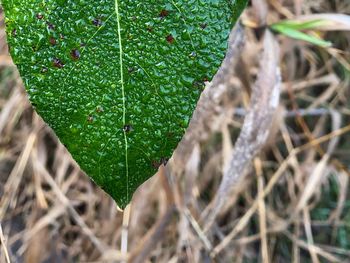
[[123, 96]]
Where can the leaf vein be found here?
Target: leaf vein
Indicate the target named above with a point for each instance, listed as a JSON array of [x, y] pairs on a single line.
[[123, 96]]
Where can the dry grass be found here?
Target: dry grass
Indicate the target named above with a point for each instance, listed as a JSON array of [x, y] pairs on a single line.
[[292, 205]]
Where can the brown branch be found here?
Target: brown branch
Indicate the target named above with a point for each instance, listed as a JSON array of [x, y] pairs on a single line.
[[256, 126]]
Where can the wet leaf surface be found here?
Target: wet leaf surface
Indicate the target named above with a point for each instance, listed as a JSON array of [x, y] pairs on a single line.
[[118, 80]]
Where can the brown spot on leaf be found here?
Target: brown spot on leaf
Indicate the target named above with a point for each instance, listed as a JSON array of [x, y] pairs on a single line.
[[90, 118], [169, 134], [57, 63], [170, 39], [155, 164], [97, 22], [50, 26], [39, 16], [164, 160], [163, 13], [99, 109], [128, 128], [131, 70], [203, 25], [52, 41], [75, 54]]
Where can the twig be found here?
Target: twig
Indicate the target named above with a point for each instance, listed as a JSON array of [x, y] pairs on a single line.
[[256, 126], [273, 181], [15, 177], [262, 213], [198, 230], [3, 244], [64, 200], [240, 112], [316, 249], [309, 235], [125, 231]]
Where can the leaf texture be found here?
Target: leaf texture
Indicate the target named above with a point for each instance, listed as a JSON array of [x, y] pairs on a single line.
[[118, 80]]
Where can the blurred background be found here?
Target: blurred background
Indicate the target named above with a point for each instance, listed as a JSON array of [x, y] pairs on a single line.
[[293, 205]]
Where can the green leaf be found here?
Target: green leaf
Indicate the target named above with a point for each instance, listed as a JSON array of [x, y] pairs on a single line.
[[118, 80], [291, 31], [322, 22], [300, 25]]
